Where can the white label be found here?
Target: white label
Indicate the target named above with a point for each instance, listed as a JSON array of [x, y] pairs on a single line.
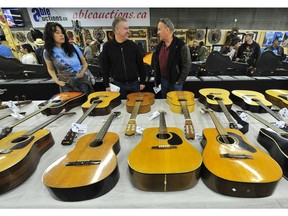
[[79, 128], [157, 89], [153, 115], [13, 107]]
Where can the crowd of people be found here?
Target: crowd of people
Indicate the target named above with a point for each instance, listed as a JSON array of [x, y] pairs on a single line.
[[121, 59]]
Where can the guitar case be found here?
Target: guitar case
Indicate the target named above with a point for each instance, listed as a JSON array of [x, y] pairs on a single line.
[[11, 68]]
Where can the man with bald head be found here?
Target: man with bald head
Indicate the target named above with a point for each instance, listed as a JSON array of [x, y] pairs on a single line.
[[172, 59]]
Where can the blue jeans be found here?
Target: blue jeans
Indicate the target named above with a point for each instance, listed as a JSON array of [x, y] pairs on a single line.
[[167, 87], [125, 88], [83, 87]]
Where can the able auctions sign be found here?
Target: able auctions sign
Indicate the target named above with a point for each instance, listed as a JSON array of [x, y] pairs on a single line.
[[88, 17]]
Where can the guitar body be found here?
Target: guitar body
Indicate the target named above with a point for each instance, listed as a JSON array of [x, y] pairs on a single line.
[[146, 98], [208, 97], [82, 182], [277, 146], [18, 165], [109, 100], [246, 100], [278, 97], [256, 176], [173, 100], [164, 169], [67, 100]]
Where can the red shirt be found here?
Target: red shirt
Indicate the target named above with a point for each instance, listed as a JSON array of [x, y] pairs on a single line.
[[163, 61]]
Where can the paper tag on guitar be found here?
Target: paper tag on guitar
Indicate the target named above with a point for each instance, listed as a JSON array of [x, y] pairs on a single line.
[[79, 128], [114, 88], [153, 115], [157, 89], [13, 107]]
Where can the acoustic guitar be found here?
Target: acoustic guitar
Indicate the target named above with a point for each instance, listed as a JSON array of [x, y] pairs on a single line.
[[109, 100], [278, 97], [104, 100], [20, 154], [255, 102], [233, 166], [275, 141], [90, 170], [218, 100], [67, 100], [58, 101], [183, 102], [137, 102], [163, 160]]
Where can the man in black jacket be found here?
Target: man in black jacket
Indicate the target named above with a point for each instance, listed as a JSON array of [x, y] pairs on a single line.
[[122, 60], [172, 59]]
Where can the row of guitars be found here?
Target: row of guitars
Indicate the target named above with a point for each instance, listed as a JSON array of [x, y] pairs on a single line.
[[162, 161]]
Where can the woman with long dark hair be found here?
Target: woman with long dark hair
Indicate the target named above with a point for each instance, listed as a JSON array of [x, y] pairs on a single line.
[[67, 59]]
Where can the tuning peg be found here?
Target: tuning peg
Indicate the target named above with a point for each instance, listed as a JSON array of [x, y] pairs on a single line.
[[24, 97]]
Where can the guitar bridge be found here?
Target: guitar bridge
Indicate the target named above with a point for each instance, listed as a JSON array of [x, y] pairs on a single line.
[[164, 147], [236, 156], [83, 163]]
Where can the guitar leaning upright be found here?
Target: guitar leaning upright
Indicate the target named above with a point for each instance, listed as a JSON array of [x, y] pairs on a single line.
[[163, 160], [137, 102], [234, 167], [90, 170], [183, 102], [20, 153]]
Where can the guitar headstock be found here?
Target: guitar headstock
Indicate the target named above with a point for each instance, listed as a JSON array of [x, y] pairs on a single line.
[[131, 127], [117, 113], [189, 130], [69, 138]]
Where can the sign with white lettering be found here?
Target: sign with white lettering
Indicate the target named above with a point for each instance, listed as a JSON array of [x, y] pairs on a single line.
[[88, 17]]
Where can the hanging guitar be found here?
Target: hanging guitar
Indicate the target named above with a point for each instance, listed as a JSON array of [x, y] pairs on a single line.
[[163, 160], [278, 97], [21, 151], [58, 101], [103, 100], [137, 102], [183, 102], [90, 170], [233, 166], [218, 100], [275, 141], [255, 102], [67, 100]]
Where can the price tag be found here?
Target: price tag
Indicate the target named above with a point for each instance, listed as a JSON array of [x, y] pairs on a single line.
[[139, 130], [13, 107], [17, 115], [280, 124], [79, 128], [153, 115], [157, 89], [243, 116], [284, 112]]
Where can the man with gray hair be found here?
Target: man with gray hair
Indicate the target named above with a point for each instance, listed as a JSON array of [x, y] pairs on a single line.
[[172, 59], [122, 60]]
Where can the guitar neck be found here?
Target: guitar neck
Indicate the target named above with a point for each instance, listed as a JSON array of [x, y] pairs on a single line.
[[162, 126], [135, 110], [189, 127], [232, 123], [17, 104], [185, 109], [88, 111], [221, 130], [263, 121], [269, 111]]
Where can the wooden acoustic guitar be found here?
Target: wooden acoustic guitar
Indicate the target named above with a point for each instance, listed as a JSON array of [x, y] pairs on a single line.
[[278, 97], [20, 154], [90, 170], [102, 99], [183, 102], [218, 100], [255, 102], [275, 141], [108, 99], [233, 166], [67, 100], [163, 160], [137, 102], [58, 102]]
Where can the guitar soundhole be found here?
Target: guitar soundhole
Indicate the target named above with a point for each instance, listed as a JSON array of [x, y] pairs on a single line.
[[96, 143], [163, 136], [226, 140], [94, 100]]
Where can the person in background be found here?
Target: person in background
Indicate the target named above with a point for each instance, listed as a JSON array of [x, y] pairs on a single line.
[[249, 51], [6, 51], [231, 50], [67, 59], [88, 55], [203, 52], [172, 59], [122, 60], [39, 50], [194, 51], [276, 48], [28, 52]]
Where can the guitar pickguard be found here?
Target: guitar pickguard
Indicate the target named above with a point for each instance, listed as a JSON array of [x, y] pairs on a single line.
[[172, 138]]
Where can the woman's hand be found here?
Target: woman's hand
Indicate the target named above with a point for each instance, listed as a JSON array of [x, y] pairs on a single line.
[[80, 74], [60, 83]]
